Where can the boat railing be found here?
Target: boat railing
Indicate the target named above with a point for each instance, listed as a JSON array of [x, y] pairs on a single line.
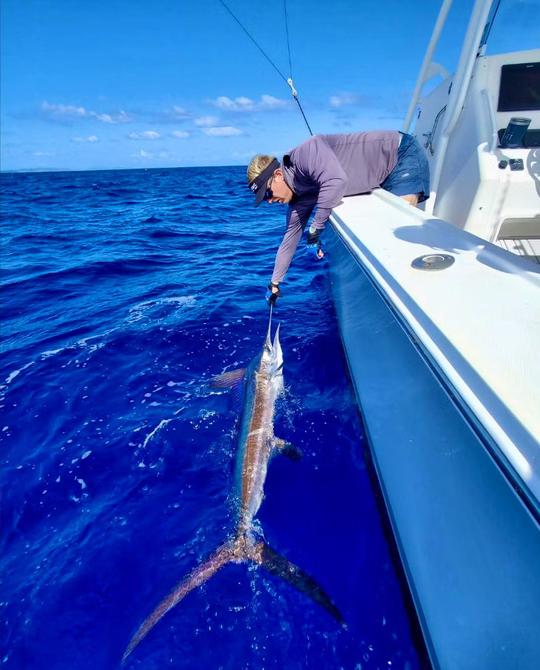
[[425, 69], [460, 85]]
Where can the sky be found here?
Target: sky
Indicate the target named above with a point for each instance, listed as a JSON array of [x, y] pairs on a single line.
[[130, 83]]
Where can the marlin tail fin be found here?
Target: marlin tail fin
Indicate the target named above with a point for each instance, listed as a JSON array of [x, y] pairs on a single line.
[[198, 576], [280, 566], [242, 548]]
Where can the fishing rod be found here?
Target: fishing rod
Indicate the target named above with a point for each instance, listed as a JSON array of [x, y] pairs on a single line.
[[289, 80]]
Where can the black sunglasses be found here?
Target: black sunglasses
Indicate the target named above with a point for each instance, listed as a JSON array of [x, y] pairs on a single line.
[[268, 194]]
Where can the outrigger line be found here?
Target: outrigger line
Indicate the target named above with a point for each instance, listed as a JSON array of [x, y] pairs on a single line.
[[288, 81]]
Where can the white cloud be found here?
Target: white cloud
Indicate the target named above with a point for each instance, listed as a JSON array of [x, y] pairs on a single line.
[[60, 112], [42, 153], [269, 102], [222, 131], [343, 99], [90, 138], [180, 134], [172, 114], [179, 112], [67, 111], [243, 104], [149, 156], [121, 117], [205, 121], [236, 105], [145, 135], [146, 155], [106, 118]]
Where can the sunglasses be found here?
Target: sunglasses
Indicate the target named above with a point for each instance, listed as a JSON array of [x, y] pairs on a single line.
[[268, 194]]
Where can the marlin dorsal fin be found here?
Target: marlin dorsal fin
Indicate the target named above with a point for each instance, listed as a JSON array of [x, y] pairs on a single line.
[[229, 379]]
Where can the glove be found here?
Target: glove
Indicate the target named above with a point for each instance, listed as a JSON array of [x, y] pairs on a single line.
[[313, 242], [272, 296]]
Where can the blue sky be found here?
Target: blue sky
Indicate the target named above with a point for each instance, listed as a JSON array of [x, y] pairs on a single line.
[[129, 84]]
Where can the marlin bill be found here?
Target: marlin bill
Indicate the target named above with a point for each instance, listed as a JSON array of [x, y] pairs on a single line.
[[263, 383]]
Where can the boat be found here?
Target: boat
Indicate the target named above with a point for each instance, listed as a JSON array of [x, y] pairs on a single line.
[[439, 315]]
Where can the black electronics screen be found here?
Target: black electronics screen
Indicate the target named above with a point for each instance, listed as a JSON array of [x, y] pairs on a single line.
[[520, 87]]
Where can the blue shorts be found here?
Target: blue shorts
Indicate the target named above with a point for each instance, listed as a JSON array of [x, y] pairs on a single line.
[[411, 173]]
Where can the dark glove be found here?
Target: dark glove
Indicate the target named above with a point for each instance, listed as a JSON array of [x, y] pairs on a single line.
[[313, 242], [272, 296]]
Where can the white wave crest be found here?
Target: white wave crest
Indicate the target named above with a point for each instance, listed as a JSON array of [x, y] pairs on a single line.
[[141, 310], [151, 435]]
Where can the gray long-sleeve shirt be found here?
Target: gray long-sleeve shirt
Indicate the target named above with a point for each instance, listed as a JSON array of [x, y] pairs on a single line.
[[324, 169]]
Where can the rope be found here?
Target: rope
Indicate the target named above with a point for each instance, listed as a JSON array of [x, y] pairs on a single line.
[[288, 81], [254, 41]]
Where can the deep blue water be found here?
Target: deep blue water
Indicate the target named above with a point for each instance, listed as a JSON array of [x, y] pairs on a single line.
[[123, 293]]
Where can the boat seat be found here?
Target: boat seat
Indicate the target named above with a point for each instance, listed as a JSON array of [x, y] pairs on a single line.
[[521, 236]]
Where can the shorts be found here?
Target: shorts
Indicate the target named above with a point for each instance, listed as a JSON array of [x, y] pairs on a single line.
[[411, 174]]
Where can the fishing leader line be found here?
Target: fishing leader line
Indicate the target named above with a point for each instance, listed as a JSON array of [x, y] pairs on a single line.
[[288, 81]]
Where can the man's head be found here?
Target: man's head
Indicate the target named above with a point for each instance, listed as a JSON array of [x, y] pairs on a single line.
[[266, 181]]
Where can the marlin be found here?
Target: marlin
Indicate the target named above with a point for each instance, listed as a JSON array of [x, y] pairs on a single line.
[[257, 444]]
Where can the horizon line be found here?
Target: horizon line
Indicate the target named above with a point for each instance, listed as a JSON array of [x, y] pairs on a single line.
[[109, 169]]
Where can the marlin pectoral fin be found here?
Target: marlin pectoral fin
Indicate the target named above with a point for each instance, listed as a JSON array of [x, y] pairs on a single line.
[[287, 449], [229, 379], [199, 575], [280, 566]]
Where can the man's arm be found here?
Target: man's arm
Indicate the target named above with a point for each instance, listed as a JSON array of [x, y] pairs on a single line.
[[318, 162], [297, 217]]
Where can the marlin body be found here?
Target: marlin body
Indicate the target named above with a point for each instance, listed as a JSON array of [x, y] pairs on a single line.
[[257, 444]]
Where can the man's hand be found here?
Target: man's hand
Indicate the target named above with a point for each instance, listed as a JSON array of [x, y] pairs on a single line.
[[313, 242], [272, 293]]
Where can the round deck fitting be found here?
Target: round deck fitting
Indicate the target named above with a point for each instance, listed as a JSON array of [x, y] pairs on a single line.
[[433, 262]]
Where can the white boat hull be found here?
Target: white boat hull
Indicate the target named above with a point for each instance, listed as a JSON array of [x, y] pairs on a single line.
[[457, 468]]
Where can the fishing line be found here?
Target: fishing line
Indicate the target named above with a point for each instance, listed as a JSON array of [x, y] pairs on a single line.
[[288, 81], [287, 35], [254, 40], [294, 92]]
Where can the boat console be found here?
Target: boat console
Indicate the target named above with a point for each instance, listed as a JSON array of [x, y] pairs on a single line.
[[489, 167]]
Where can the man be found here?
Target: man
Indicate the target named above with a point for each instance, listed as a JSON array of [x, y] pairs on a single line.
[[324, 169]]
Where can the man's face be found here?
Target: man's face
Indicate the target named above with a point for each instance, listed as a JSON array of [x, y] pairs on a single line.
[[280, 191]]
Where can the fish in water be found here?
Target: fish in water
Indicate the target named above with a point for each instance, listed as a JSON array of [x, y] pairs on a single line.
[[257, 444]]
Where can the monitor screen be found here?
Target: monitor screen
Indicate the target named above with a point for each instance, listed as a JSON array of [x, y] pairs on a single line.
[[520, 87]]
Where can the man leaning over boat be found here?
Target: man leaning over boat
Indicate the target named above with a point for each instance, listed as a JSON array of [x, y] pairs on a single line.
[[321, 171]]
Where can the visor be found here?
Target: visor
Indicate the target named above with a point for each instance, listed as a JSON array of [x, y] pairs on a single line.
[[259, 185]]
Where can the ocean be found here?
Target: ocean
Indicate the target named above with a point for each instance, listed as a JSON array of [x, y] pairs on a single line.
[[123, 293]]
